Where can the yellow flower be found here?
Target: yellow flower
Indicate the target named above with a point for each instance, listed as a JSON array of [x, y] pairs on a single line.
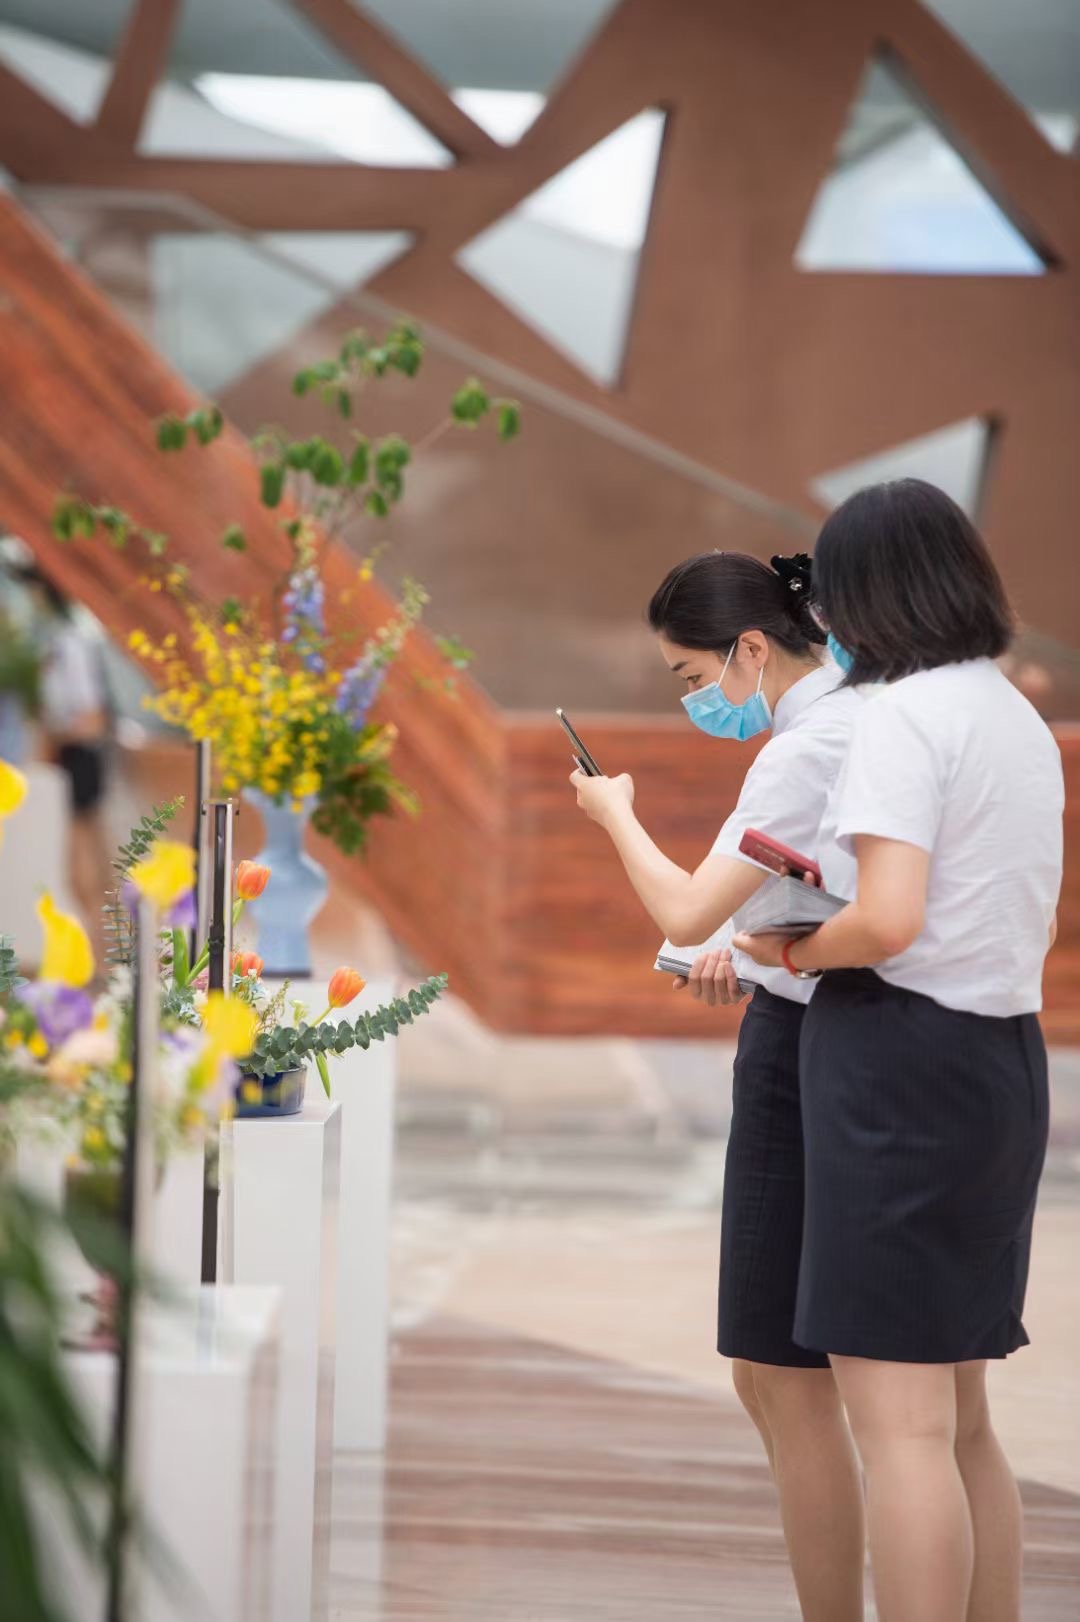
[[12, 789], [38, 1046], [230, 1025], [67, 956], [166, 874]]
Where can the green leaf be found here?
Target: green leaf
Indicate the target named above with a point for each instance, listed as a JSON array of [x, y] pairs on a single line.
[[324, 1072], [116, 524], [181, 963], [509, 418], [232, 611], [171, 434], [298, 454], [470, 403], [234, 539], [344, 402], [360, 462], [272, 483], [328, 465], [206, 423], [156, 543], [376, 504]]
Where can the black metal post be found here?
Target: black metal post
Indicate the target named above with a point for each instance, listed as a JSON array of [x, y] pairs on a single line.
[[202, 873], [220, 815]]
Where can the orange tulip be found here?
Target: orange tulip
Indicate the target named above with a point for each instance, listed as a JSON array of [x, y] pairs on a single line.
[[251, 880], [246, 963], [345, 985]]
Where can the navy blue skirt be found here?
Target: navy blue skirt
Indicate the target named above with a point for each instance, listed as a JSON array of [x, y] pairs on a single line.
[[925, 1132], [761, 1236]]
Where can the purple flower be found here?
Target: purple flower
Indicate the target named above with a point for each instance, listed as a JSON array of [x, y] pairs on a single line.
[[59, 1010], [303, 605], [358, 691], [181, 915]]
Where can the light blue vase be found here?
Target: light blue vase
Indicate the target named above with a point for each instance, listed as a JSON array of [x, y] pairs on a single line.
[[283, 913]]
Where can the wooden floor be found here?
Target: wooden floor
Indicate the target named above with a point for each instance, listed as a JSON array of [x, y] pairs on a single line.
[[529, 1483]]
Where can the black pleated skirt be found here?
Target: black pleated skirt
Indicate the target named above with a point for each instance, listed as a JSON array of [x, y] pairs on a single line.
[[761, 1236], [925, 1132]]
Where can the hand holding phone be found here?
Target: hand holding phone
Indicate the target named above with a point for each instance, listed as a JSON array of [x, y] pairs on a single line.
[[582, 758], [779, 858]]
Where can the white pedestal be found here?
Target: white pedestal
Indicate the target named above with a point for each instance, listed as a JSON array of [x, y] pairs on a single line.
[[365, 1085], [209, 1399], [278, 1224]]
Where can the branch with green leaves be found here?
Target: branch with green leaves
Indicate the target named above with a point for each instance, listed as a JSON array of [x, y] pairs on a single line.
[[289, 1047]]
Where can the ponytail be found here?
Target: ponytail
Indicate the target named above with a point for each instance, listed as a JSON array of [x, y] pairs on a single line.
[[710, 600]]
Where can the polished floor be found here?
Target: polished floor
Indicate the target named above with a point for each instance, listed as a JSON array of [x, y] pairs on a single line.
[[564, 1442]]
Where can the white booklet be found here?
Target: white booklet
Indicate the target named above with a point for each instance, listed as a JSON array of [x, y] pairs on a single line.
[[673, 959]]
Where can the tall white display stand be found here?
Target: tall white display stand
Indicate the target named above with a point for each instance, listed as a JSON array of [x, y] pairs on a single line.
[[209, 1388], [365, 1086], [278, 1224]]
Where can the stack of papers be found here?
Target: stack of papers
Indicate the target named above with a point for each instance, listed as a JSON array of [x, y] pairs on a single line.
[[787, 905]]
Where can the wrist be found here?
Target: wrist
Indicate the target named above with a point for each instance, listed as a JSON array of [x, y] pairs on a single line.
[[792, 965]]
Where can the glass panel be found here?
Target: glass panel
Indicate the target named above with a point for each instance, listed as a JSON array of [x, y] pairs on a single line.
[[953, 458], [73, 79], [259, 79], [900, 198], [566, 259], [1033, 49], [490, 51]]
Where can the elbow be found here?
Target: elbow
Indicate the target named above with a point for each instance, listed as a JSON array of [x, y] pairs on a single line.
[[894, 935], [685, 924]]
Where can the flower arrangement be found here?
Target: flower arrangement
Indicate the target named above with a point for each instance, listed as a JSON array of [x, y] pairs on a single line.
[[285, 701]]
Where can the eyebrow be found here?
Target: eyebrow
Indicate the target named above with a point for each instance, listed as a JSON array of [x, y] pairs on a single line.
[[682, 664]]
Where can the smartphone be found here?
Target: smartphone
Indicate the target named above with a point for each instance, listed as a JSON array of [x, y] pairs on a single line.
[[582, 757], [780, 858]]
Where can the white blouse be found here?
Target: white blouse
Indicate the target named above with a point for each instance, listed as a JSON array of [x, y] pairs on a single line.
[[956, 761], [785, 791]]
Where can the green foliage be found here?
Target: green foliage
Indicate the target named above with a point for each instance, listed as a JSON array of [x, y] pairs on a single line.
[[454, 651], [470, 403], [10, 978], [20, 667], [47, 1439], [72, 517], [204, 424], [509, 418], [271, 483], [119, 928], [287, 1047], [234, 539]]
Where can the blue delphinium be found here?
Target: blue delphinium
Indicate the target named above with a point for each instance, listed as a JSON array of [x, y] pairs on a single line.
[[305, 622], [359, 689]]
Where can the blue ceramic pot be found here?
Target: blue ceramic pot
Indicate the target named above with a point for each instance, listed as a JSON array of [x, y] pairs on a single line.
[[279, 1095], [297, 889]]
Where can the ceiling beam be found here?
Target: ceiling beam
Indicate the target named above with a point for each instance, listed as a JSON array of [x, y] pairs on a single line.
[[139, 64]]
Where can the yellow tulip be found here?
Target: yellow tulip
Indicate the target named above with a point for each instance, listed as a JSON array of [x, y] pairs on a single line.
[[166, 874], [67, 957], [230, 1025]]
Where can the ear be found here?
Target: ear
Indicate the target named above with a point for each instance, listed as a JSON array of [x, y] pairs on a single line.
[[754, 648]]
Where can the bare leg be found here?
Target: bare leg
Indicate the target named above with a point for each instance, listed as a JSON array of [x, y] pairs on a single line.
[[817, 1478], [903, 1416], [995, 1503], [90, 875], [742, 1378]]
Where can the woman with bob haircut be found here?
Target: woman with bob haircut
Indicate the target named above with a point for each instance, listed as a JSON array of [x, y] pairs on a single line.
[[923, 1070], [738, 636]]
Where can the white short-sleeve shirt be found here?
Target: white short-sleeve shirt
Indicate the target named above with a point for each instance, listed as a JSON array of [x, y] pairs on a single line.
[[785, 791], [956, 761]]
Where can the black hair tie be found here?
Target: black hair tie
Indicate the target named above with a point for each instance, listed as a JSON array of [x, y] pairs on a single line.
[[796, 573]]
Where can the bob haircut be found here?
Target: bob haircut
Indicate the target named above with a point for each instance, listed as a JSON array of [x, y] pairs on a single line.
[[708, 602], [906, 583]]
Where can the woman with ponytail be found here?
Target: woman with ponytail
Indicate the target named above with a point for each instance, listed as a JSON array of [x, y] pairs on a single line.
[[740, 637]]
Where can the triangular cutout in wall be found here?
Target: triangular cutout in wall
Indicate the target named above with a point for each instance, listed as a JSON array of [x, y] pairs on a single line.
[[955, 458], [900, 198], [566, 258]]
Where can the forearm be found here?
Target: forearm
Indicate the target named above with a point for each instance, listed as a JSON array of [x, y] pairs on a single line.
[[855, 938], [663, 887]]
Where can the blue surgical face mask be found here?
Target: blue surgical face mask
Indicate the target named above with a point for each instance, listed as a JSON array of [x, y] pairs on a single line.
[[716, 715], [843, 658]]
